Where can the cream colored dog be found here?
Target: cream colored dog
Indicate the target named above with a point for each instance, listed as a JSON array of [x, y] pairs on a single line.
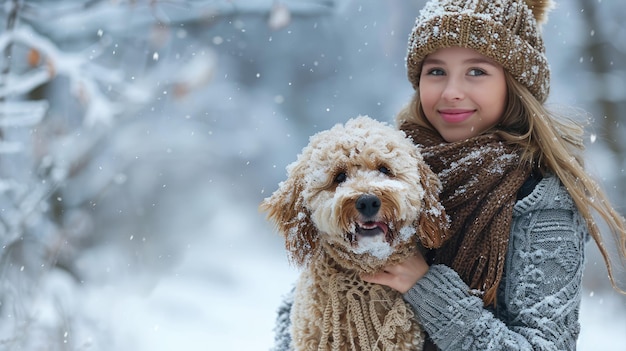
[[359, 197]]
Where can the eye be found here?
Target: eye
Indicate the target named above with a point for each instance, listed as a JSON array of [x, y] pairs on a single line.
[[476, 72], [435, 72], [340, 177], [384, 170]]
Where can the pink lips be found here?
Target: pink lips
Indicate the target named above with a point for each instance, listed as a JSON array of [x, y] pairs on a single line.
[[455, 115]]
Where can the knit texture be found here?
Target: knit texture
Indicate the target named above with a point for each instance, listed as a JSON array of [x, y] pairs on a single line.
[[282, 335], [507, 31], [334, 235], [539, 299], [480, 179], [347, 313]]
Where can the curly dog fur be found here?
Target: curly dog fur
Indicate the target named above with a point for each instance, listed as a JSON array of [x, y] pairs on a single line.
[[357, 198]]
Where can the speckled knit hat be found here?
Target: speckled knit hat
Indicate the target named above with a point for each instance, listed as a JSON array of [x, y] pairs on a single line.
[[507, 31]]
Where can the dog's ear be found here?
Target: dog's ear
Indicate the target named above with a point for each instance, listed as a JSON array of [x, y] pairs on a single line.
[[287, 210], [433, 223]]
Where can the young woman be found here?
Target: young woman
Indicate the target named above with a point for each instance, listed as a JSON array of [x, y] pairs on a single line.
[[509, 274], [520, 203]]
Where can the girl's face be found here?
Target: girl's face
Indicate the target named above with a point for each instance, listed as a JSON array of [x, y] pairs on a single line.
[[462, 92]]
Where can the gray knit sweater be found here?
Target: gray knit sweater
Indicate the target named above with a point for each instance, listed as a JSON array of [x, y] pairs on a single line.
[[538, 299]]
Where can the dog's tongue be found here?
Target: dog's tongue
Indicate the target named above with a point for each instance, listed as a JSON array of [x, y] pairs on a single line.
[[371, 228], [372, 239]]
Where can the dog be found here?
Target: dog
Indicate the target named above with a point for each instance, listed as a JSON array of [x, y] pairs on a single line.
[[358, 197]]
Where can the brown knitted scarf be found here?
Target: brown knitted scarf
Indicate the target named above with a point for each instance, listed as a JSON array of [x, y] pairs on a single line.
[[480, 177]]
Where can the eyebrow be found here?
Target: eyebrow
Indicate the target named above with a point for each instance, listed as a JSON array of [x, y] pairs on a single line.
[[476, 60]]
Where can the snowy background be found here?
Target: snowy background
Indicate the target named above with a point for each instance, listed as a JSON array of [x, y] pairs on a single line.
[[137, 139]]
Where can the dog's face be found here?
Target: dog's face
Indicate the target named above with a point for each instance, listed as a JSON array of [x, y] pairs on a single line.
[[361, 192]]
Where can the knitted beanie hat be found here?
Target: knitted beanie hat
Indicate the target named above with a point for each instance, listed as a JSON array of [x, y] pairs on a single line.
[[507, 31]]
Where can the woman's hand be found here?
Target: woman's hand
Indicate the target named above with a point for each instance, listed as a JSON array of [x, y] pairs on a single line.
[[402, 276]]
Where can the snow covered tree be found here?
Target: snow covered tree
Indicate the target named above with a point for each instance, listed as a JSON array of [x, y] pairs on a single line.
[[104, 121]]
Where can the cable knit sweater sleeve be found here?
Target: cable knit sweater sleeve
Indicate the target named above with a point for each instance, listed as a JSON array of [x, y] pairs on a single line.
[[282, 334], [539, 297]]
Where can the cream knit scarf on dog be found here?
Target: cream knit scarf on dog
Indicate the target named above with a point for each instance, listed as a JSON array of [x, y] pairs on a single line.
[[480, 177], [360, 316]]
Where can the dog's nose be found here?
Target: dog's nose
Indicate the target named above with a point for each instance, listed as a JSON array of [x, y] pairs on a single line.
[[368, 205]]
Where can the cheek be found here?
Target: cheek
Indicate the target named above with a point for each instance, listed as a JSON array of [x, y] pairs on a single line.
[[413, 195], [496, 95], [428, 97], [503, 97], [323, 210], [493, 104]]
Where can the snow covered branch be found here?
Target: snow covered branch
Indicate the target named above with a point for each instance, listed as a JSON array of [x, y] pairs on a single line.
[[85, 79]]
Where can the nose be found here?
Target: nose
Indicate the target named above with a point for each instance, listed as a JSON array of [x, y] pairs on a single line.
[[453, 90], [368, 205]]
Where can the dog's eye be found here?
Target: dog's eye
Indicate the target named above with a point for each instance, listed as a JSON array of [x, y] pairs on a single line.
[[341, 177], [384, 170]]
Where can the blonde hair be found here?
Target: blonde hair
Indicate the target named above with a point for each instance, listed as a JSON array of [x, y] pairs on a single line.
[[553, 144]]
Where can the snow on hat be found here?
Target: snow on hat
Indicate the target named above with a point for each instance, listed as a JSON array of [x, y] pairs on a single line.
[[507, 31]]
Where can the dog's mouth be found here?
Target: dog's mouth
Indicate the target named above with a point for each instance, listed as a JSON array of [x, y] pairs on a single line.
[[370, 229]]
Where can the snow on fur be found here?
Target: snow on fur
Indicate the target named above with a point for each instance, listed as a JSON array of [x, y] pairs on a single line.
[[329, 230]]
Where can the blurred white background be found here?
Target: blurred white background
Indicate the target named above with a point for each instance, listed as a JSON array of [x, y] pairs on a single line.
[[137, 138]]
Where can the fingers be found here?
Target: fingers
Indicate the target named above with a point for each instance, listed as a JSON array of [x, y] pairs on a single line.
[[389, 277], [381, 278], [401, 277]]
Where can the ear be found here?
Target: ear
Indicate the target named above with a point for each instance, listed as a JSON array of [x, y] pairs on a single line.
[[287, 210], [433, 223]]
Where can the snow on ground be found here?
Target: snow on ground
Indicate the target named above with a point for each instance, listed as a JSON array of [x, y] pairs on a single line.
[[603, 323], [223, 295]]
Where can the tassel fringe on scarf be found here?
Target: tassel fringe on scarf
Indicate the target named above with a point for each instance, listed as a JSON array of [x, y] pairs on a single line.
[[357, 316]]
